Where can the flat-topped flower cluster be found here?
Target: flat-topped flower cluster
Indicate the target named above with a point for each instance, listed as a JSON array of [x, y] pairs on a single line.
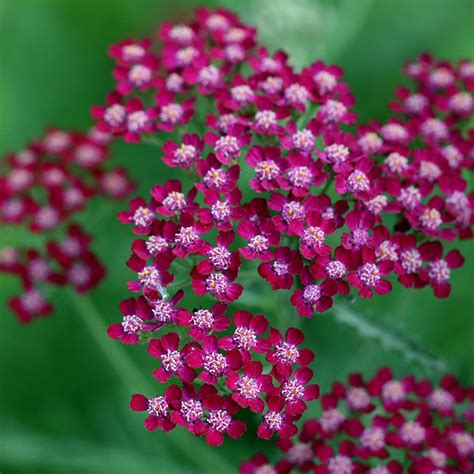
[[41, 188], [279, 181], [382, 426]]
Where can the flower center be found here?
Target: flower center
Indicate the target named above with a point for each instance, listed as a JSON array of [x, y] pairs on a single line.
[[217, 284], [369, 274], [312, 293], [248, 387], [333, 111], [163, 311], [313, 237], [131, 324], [245, 338], [336, 269], [171, 361], [215, 363], [303, 140], [219, 257], [358, 182], [336, 153], [292, 390], [171, 113], [267, 170], [158, 406], [219, 420], [203, 319], [143, 217], [300, 177], [191, 410]]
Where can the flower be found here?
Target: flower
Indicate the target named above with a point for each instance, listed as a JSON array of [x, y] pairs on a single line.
[[274, 421], [248, 387], [159, 408], [265, 147], [173, 360], [384, 440]]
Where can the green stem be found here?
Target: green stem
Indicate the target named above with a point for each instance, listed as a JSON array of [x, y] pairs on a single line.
[[134, 380], [152, 140], [126, 370], [389, 338]]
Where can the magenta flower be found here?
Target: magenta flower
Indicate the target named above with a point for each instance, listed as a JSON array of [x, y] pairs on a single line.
[[29, 305], [138, 120], [220, 421], [248, 387], [394, 393], [313, 236], [439, 269], [218, 284], [173, 360], [172, 114], [275, 420], [228, 147], [191, 411], [295, 390], [170, 199], [185, 155], [246, 338], [85, 274], [356, 181], [368, 277], [302, 174], [280, 273], [215, 176], [221, 212], [140, 214], [138, 76], [203, 321], [159, 408], [137, 317], [130, 51], [269, 168], [259, 240], [313, 296], [213, 363], [285, 352]]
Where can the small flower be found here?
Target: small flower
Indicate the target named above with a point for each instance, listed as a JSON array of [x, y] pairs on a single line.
[[159, 408], [275, 420], [248, 387], [173, 360]]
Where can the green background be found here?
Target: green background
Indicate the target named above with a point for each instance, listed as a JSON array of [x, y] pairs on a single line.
[[63, 408]]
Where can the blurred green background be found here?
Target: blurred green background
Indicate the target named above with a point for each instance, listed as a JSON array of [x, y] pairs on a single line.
[[63, 409]]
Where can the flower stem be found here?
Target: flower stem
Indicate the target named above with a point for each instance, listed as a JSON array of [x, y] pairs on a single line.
[[135, 381], [389, 338]]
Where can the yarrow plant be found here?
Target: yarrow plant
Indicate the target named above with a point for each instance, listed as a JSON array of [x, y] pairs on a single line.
[[41, 188], [279, 182], [282, 189], [383, 425]]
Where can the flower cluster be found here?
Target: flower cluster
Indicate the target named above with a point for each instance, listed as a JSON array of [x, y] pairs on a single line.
[[382, 426], [282, 186], [223, 364], [331, 210], [41, 187]]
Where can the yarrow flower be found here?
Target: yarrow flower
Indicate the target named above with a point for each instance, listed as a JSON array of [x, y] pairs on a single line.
[[43, 187], [276, 183], [429, 433]]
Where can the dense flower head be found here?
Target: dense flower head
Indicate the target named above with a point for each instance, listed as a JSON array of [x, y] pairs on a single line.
[[54, 177], [424, 429], [42, 187], [280, 181], [70, 261]]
